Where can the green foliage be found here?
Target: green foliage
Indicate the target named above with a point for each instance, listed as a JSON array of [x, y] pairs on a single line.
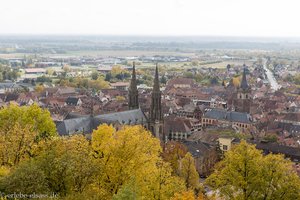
[[38, 119], [85, 83], [95, 75], [246, 174], [188, 172], [63, 166], [6, 73], [27, 178]]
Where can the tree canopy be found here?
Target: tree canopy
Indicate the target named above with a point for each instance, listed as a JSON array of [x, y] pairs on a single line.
[[245, 173]]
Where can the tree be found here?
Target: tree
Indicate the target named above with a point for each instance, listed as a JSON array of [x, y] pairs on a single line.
[[130, 164], [236, 82], [37, 119], [173, 153], [246, 174], [228, 67], [95, 75], [161, 184], [16, 144], [214, 81], [39, 88], [64, 166], [188, 172], [120, 98], [27, 178], [108, 77], [163, 79], [131, 151]]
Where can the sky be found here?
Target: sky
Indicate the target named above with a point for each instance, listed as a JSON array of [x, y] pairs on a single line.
[[258, 18]]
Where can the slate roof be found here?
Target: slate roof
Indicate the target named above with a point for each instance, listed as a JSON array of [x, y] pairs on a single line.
[[86, 124], [225, 115], [125, 117], [292, 152], [71, 126], [72, 100], [197, 148]]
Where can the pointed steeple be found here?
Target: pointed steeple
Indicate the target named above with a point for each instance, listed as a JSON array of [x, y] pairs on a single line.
[[155, 110], [244, 84], [156, 80], [156, 121], [133, 91]]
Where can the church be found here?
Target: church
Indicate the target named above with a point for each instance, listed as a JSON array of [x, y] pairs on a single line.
[[242, 102], [134, 116]]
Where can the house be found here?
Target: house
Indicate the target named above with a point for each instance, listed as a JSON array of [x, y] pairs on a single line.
[[219, 117], [9, 87], [225, 143], [205, 156], [290, 152], [178, 128], [180, 83], [104, 69], [120, 85], [73, 101], [65, 91]]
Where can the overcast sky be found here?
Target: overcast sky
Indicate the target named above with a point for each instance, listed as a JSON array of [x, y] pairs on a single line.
[[152, 17]]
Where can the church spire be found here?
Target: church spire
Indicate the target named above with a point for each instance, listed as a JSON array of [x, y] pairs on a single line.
[[156, 111], [156, 114], [244, 84], [156, 80], [133, 91]]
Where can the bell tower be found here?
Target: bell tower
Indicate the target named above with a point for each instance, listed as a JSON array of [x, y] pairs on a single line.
[[243, 98], [156, 115]]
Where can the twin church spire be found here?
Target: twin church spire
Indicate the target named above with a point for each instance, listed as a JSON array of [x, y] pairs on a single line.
[[155, 119]]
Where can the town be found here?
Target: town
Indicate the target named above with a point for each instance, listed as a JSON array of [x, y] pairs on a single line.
[[149, 100], [178, 98]]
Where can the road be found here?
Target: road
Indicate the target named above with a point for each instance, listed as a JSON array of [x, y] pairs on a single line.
[[272, 81]]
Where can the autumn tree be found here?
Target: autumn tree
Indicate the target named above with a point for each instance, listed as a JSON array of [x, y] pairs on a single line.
[[130, 164], [39, 120], [64, 166], [173, 153], [126, 156], [16, 144], [95, 75], [21, 129], [246, 174], [188, 172], [39, 88]]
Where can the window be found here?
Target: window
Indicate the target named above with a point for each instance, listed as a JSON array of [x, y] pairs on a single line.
[[225, 147]]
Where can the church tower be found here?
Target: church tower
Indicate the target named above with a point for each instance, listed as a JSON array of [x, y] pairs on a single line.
[[156, 114], [133, 95], [243, 99]]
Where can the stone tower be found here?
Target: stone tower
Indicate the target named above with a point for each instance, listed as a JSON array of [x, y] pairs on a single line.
[[156, 115], [133, 95], [243, 98]]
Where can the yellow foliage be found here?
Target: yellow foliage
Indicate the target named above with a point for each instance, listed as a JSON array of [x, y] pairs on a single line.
[[185, 195], [123, 154], [120, 98], [188, 172], [15, 144], [115, 70], [245, 172], [39, 88], [236, 81], [130, 157]]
